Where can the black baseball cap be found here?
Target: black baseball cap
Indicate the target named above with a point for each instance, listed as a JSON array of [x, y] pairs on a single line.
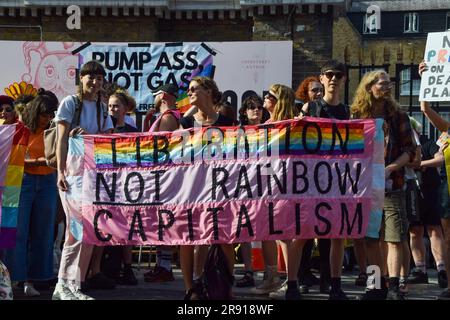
[[168, 88]]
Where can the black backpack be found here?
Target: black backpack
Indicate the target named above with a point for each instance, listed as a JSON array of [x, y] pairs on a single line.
[[217, 278]]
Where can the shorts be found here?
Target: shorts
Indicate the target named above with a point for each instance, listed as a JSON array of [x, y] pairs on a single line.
[[430, 207], [395, 223], [445, 199]]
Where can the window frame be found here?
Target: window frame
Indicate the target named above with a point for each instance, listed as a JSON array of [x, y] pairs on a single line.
[[410, 27]]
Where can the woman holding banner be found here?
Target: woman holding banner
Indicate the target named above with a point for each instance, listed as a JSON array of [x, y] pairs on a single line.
[[32, 258], [280, 103], [77, 114], [203, 94], [444, 126], [373, 100], [7, 112]]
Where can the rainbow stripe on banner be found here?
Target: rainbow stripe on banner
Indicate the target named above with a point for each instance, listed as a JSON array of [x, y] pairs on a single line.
[[13, 143], [295, 137]]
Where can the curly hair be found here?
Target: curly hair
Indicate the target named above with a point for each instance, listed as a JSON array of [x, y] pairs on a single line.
[[21, 102], [248, 102], [124, 97], [303, 89], [285, 107], [45, 102], [361, 107]]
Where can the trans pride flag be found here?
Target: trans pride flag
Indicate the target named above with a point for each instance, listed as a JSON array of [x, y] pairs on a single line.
[[13, 144]]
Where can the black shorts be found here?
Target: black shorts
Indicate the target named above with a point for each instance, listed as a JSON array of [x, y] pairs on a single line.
[[430, 207]]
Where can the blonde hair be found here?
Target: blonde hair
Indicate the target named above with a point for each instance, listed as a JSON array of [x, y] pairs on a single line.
[[285, 107], [361, 107]]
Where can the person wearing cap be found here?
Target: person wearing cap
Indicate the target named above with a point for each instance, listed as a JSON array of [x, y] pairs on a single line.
[[7, 112], [167, 120], [165, 116]]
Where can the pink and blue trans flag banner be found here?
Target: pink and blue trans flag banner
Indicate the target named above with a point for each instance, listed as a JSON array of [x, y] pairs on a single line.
[[308, 178], [13, 143]]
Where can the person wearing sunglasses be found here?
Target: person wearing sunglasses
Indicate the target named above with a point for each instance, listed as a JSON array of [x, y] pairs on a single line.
[[7, 112], [373, 99], [332, 77], [310, 89], [204, 95], [32, 257]]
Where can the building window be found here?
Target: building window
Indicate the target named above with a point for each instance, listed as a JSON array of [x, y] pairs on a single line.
[[405, 83], [447, 25], [411, 22], [370, 24]]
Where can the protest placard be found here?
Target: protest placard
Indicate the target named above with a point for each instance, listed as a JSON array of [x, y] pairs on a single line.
[[436, 80]]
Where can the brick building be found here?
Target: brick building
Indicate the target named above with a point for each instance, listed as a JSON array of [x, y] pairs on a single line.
[[398, 45], [307, 23]]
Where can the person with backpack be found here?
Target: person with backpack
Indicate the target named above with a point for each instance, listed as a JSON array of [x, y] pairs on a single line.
[[204, 95], [166, 118], [373, 99], [77, 114], [32, 257]]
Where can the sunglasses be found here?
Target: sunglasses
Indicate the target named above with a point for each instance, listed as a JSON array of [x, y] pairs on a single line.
[[193, 89], [315, 90], [253, 107], [7, 109], [270, 96], [331, 74]]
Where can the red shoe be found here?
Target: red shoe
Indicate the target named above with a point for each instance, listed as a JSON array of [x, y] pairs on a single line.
[[158, 274]]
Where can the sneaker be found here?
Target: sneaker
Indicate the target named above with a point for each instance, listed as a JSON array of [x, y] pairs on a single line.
[[403, 288], [30, 291], [279, 294], [269, 284], [246, 281], [394, 295], [418, 276], [374, 294], [62, 292], [361, 281], [80, 295], [444, 295], [442, 279], [128, 278], [304, 289], [102, 282], [309, 279], [159, 274], [337, 295], [293, 294]]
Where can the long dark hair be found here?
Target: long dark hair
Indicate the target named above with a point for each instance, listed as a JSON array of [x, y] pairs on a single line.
[[44, 103], [248, 102]]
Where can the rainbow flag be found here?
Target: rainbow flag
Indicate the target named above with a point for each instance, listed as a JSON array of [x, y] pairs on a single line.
[[205, 69], [13, 144], [291, 137]]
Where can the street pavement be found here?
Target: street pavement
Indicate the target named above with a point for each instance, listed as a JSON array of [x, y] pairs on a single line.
[[174, 290]]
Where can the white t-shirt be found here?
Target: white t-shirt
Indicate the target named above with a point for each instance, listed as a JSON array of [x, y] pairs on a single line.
[[88, 118]]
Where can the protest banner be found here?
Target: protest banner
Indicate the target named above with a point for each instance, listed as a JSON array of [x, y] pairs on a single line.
[[436, 80], [13, 143], [240, 68], [309, 178]]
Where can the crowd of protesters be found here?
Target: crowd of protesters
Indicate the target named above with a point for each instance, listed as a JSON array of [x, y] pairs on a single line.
[[416, 196]]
